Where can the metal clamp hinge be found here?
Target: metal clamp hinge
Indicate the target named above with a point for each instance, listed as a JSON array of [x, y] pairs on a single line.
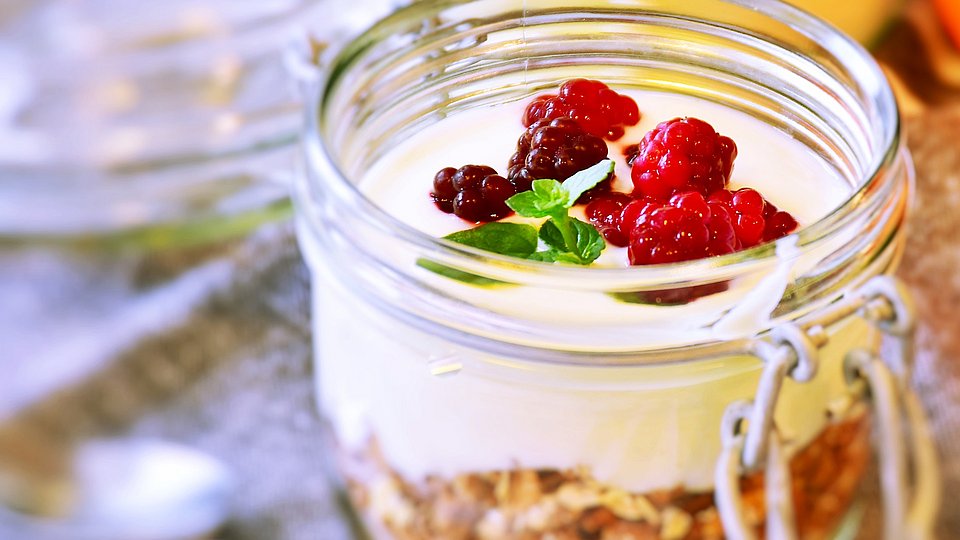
[[751, 440]]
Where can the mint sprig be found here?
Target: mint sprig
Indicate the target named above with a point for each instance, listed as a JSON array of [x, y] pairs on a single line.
[[549, 198], [586, 242], [545, 198], [567, 239], [587, 179], [562, 233], [513, 239]]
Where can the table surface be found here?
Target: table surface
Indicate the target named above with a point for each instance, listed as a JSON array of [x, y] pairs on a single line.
[[210, 346]]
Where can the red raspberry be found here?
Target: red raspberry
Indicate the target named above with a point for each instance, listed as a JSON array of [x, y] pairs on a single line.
[[688, 227], [473, 192], [617, 216], [601, 112], [556, 149], [682, 155], [660, 233], [754, 219], [734, 220], [723, 236], [605, 214], [657, 232], [668, 234], [779, 225]]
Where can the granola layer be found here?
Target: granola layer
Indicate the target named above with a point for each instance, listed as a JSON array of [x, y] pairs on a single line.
[[528, 504]]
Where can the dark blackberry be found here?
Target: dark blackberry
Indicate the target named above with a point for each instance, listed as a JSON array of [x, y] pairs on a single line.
[[556, 149], [473, 192]]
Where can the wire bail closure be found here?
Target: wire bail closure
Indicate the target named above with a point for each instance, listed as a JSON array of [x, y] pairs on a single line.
[[908, 513], [751, 441]]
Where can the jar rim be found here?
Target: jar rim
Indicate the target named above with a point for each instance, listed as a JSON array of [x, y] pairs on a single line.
[[857, 59]]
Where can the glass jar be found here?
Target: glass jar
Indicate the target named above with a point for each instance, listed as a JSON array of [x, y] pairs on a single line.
[[548, 401]]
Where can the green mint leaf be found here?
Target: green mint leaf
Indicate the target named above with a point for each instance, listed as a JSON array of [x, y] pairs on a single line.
[[549, 256], [553, 255], [459, 275], [549, 197], [580, 182], [546, 198], [582, 240], [552, 236], [589, 241], [667, 297], [644, 298], [569, 240], [513, 239], [582, 246]]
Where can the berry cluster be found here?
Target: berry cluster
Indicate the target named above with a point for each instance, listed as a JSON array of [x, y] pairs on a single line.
[[689, 226], [755, 219], [680, 208], [472, 192], [563, 136], [683, 154], [601, 112], [556, 149]]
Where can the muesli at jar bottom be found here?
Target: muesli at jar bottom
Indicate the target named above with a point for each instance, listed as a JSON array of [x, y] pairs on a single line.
[[527, 504]]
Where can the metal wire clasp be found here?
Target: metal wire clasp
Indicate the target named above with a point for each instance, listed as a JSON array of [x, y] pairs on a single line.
[[751, 440], [902, 428]]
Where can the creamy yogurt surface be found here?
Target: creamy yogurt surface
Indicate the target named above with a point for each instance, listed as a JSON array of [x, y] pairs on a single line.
[[787, 173], [784, 171], [435, 408]]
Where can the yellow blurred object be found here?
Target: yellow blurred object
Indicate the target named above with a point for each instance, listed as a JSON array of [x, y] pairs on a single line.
[[864, 20]]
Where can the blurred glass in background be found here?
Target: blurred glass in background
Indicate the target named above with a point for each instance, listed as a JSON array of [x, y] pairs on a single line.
[[160, 122], [147, 125]]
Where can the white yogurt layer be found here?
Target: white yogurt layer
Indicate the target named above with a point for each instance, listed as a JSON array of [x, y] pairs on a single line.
[[436, 408]]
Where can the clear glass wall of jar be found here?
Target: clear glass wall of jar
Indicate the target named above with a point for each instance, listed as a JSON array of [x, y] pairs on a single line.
[[456, 411]]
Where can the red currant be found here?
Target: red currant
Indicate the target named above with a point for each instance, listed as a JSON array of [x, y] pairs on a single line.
[[599, 110]]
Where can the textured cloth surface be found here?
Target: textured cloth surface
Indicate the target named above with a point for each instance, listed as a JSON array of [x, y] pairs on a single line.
[[229, 375], [211, 347]]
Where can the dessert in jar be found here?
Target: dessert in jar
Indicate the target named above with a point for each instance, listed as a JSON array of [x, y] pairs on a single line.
[[575, 263]]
